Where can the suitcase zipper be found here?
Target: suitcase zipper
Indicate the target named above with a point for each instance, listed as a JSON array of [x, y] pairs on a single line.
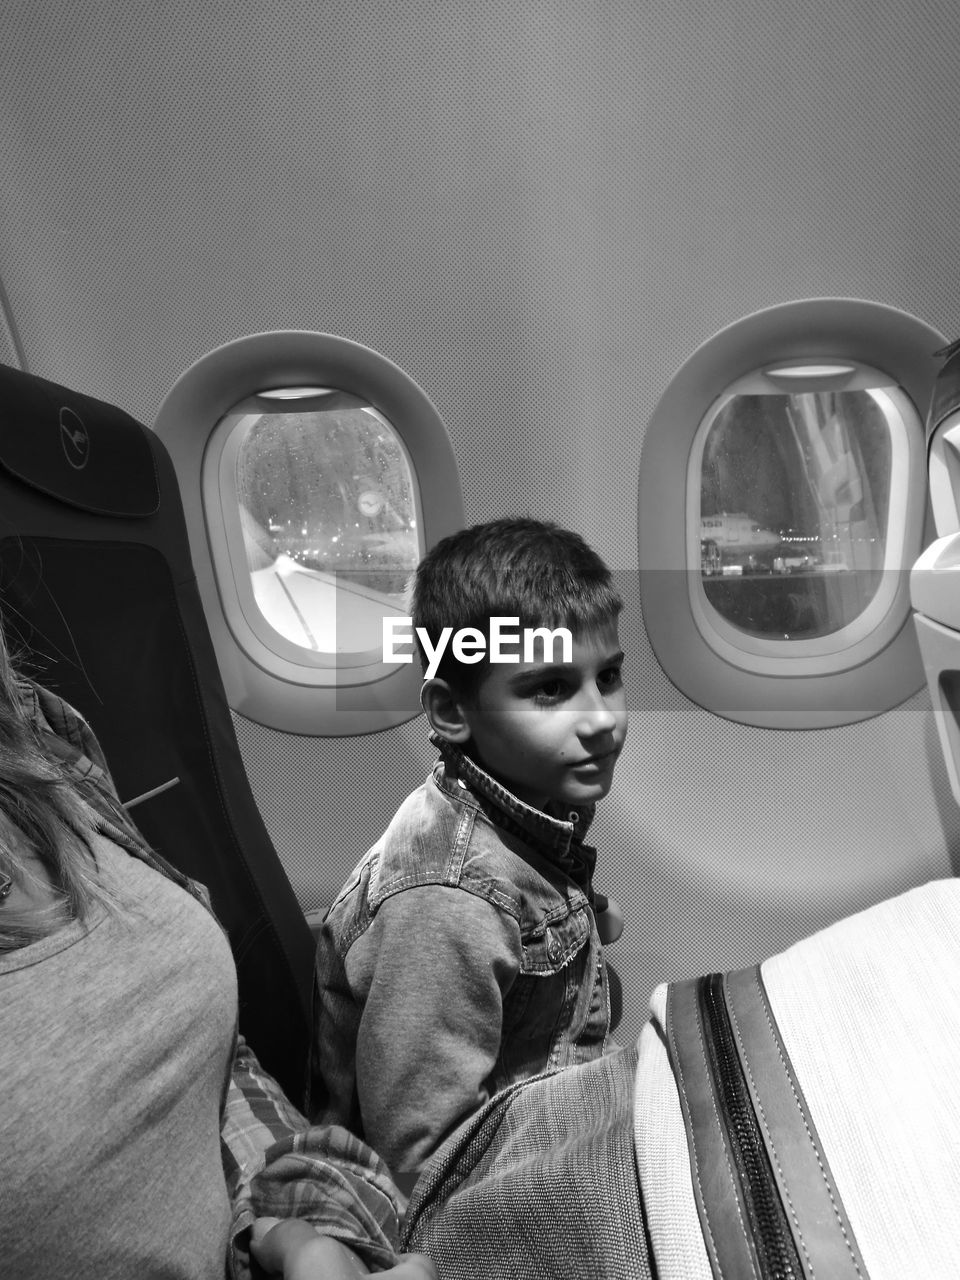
[[775, 1249]]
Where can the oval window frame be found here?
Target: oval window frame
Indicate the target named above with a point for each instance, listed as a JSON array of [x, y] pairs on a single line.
[[267, 679], [866, 672]]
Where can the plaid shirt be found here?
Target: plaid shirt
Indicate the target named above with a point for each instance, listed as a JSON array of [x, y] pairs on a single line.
[[275, 1163]]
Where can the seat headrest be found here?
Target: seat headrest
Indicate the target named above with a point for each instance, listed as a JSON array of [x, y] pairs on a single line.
[[75, 449], [945, 397]]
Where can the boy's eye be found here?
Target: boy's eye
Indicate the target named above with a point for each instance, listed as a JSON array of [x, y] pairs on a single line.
[[609, 679], [548, 690]]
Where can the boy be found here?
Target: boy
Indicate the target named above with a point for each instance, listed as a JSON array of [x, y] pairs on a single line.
[[463, 954]]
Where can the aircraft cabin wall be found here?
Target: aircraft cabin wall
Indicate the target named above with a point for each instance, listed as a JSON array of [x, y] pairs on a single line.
[[538, 210]]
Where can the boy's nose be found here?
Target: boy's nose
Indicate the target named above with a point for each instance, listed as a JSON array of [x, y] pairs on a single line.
[[597, 716]]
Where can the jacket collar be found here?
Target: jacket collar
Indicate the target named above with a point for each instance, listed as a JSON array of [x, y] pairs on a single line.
[[560, 839]]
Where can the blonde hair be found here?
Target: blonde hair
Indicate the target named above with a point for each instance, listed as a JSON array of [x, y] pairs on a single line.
[[40, 808]]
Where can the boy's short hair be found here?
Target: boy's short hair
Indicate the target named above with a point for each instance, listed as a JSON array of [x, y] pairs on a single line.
[[532, 570]]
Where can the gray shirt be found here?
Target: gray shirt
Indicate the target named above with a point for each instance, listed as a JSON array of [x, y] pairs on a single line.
[[115, 1042]]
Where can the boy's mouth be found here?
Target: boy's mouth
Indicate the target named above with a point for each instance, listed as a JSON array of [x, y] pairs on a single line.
[[601, 760]]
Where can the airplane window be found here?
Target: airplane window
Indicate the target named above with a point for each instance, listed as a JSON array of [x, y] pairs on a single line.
[[328, 516], [797, 509], [315, 473], [782, 498]]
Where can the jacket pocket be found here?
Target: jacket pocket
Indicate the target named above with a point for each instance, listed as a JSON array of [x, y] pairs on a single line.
[[540, 1005]]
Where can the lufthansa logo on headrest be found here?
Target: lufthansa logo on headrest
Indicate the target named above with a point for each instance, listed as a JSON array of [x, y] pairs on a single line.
[[74, 438]]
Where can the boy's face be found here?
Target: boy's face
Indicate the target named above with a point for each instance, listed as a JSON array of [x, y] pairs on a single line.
[[553, 730]]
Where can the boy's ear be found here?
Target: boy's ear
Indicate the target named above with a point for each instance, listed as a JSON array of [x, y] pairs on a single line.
[[444, 710]]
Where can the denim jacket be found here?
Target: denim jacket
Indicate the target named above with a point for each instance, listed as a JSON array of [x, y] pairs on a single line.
[[461, 956]]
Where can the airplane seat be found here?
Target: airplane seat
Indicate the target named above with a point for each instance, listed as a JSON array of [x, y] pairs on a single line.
[[99, 600], [935, 578]]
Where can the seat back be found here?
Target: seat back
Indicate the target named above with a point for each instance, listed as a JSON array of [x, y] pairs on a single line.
[[100, 604]]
